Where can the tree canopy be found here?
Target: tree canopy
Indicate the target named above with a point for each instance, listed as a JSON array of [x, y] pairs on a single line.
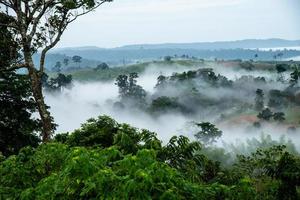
[[39, 25]]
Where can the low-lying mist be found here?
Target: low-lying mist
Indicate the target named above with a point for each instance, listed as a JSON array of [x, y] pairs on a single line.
[[72, 107]]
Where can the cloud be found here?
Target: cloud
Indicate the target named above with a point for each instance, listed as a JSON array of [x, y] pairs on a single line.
[[91, 99], [125, 22], [131, 7]]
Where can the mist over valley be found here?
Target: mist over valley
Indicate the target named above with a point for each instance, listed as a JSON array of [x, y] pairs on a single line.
[[142, 100], [228, 104]]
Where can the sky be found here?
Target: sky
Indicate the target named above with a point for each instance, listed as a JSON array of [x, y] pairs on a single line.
[[125, 22]]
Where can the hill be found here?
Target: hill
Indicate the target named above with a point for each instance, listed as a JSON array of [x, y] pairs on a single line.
[[230, 50], [239, 44]]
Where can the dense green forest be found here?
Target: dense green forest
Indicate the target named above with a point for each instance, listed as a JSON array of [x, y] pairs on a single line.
[[106, 158]]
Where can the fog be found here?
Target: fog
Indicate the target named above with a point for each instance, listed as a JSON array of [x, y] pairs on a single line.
[[85, 100]]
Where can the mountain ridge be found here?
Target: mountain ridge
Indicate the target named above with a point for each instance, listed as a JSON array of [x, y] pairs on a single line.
[[244, 44]]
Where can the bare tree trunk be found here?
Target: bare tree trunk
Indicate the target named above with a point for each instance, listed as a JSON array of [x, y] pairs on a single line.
[[36, 85]]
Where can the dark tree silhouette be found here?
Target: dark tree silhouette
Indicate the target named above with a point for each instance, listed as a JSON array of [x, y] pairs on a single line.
[[279, 116], [17, 125], [58, 83], [37, 25], [66, 61], [295, 75], [265, 114], [259, 100], [77, 59], [57, 67], [128, 89], [208, 133], [102, 66]]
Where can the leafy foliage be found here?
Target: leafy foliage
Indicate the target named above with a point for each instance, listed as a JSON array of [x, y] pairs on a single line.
[[208, 133], [17, 126], [102, 66], [295, 75], [276, 163], [259, 100], [129, 90], [108, 160], [279, 116], [76, 59], [105, 132], [265, 114], [58, 83], [166, 104]]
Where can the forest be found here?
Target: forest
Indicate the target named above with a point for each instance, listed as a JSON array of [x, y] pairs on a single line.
[[172, 127]]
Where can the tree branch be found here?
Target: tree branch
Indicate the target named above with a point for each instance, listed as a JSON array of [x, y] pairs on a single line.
[[6, 4], [9, 25], [15, 67], [62, 27], [88, 11], [64, 23], [37, 18]]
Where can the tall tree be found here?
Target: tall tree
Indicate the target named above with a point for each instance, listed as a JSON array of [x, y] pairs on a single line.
[[17, 126], [77, 59], [280, 68], [279, 116], [129, 89], [58, 83], [259, 100], [39, 25], [102, 66], [57, 67], [208, 133], [66, 61], [265, 114], [16, 103], [295, 75]]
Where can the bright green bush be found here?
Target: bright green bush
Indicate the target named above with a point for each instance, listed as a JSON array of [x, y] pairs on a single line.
[[56, 171], [134, 164]]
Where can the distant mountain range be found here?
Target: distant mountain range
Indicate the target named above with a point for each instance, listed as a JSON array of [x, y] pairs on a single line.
[[243, 44], [241, 49], [239, 44]]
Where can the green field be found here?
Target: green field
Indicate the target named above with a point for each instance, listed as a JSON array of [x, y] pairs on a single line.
[[90, 74]]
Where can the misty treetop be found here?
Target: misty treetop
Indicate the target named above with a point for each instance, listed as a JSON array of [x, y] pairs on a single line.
[[202, 90], [111, 160], [57, 84], [129, 90], [107, 159]]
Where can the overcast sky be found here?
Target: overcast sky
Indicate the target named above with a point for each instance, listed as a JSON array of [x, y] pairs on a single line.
[[124, 22]]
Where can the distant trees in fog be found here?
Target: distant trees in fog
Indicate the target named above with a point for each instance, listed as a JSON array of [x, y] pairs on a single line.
[[267, 115], [77, 59], [295, 75], [66, 61], [58, 83], [129, 90], [208, 133], [167, 58], [102, 66], [57, 67], [259, 100]]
